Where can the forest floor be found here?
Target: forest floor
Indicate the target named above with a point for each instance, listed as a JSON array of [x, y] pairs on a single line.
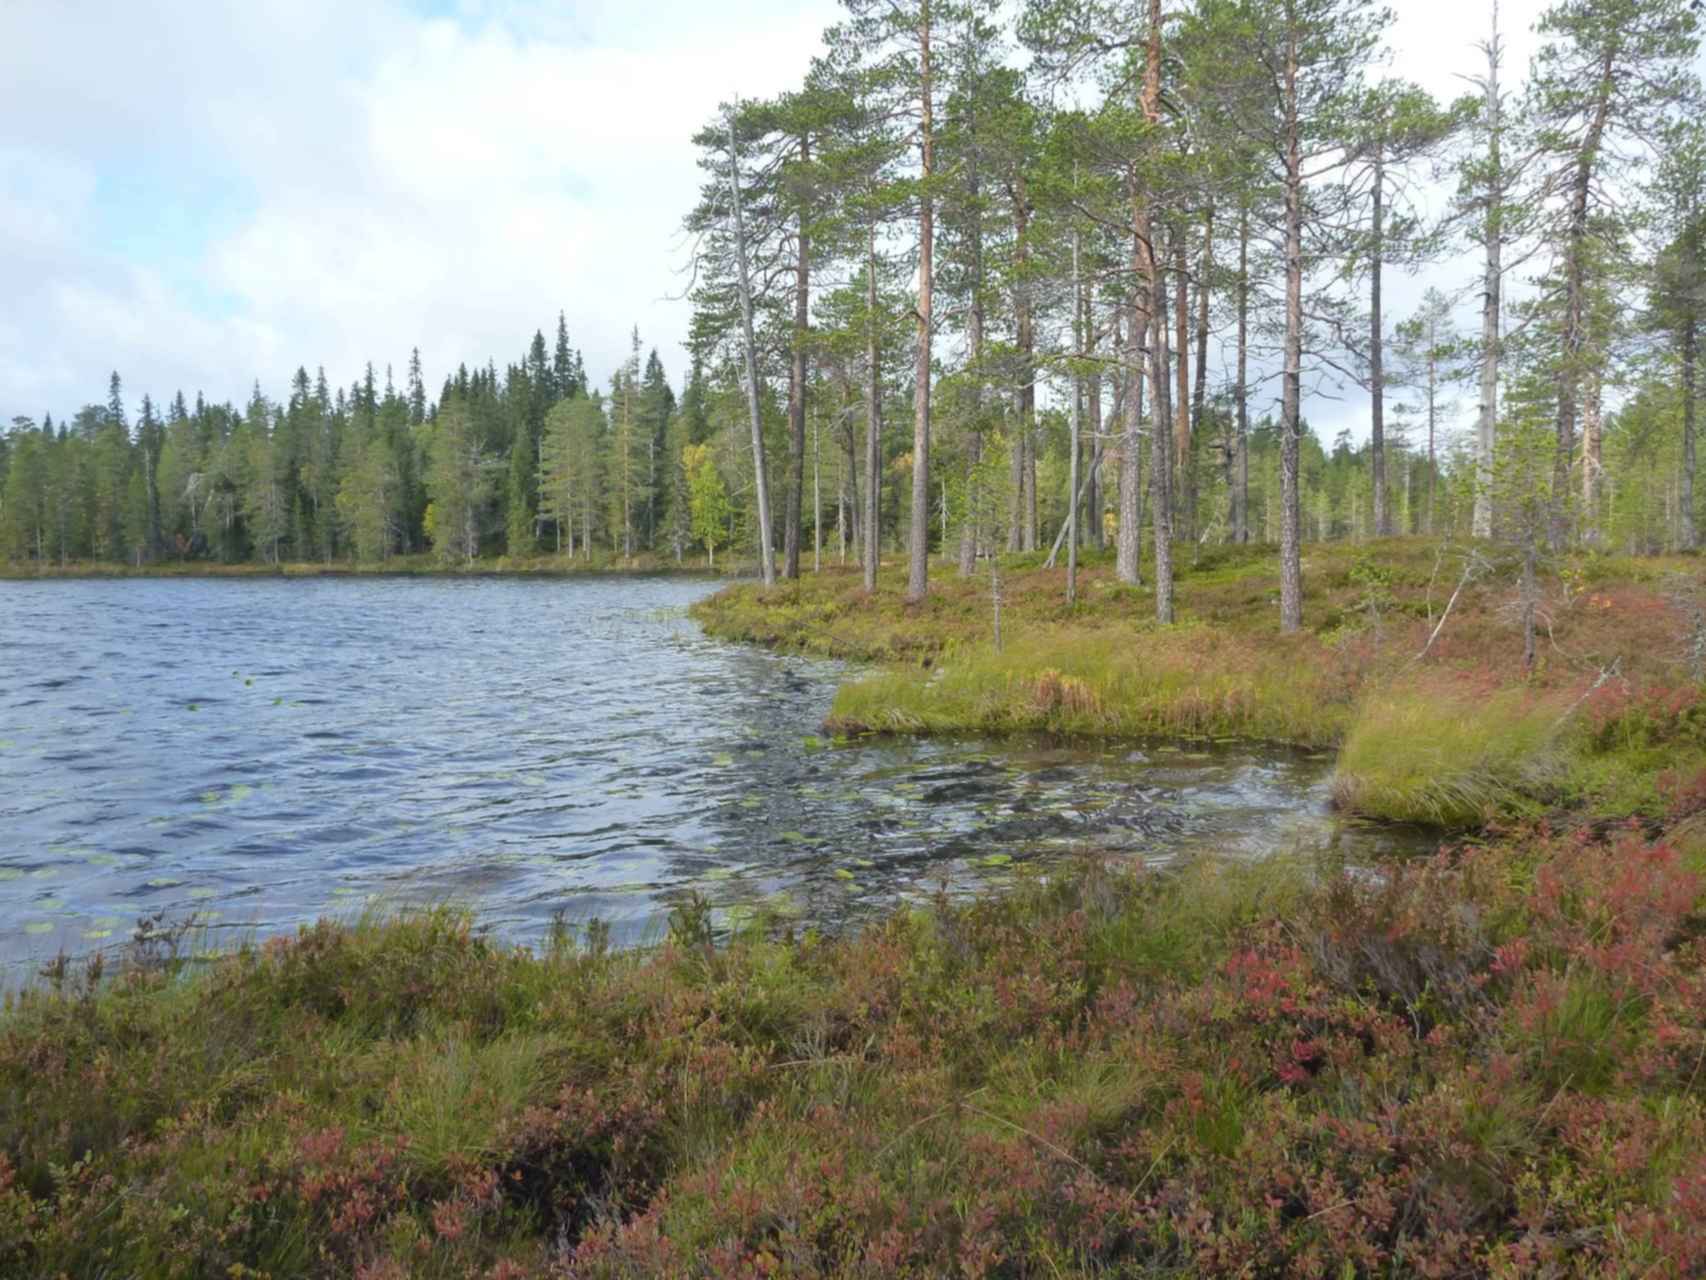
[[420, 565], [1489, 1061]]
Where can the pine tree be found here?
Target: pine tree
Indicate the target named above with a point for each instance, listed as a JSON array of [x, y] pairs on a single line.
[[1608, 76], [1677, 301]]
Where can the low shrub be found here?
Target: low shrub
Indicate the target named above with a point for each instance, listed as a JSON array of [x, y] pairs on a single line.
[[1482, 1062]]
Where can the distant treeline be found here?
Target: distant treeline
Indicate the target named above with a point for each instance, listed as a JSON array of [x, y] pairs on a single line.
[[529, 461]]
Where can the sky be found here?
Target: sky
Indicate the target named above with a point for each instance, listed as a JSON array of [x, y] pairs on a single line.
[[205, 195]]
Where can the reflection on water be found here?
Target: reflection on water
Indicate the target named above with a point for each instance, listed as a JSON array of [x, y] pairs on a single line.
[[265, 752]]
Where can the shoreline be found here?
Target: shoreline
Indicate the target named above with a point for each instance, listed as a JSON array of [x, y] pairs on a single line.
[[1431, 715], [423, 568], [1484, 1060]]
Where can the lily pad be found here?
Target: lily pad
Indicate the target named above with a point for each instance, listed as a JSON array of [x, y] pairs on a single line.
[[842, 873], [38, 926], [995, 860]]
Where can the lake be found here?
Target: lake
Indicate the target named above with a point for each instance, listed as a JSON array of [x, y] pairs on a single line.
[[262, 752]]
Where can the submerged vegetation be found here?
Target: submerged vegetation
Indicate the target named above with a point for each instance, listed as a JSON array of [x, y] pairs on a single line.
[[1437, 716], [1488, 1062]]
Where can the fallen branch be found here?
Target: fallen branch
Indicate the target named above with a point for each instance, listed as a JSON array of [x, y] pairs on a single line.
[[1471, 566], [1606, 674], [1083, 486], [1040, 1141]]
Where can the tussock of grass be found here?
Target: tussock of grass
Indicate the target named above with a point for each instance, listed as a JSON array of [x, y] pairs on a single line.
[[1191, 681], [1227, 1069], [1436, 756]]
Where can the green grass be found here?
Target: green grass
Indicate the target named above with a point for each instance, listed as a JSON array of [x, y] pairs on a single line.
[[1441, 757], [1271, 1069], [1192, 681]]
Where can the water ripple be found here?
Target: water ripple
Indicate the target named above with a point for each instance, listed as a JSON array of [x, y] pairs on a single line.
[[264, 752]]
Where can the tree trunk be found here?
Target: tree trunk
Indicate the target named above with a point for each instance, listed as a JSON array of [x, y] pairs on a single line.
[[1241, 392], [1024, 336], [918, 575], [1685, 497], [1161, 450], [970, 527], [1199, 385], [1151, 285], [797, 393], [1073, 429], [1291, 395], [1128, 556], [766, 550], [1575, 284], [1093, 414], [1433, 419], [817, 496], [1492, 284], [1592, 424], [1376, 363], [1184, 506], [873, 414]]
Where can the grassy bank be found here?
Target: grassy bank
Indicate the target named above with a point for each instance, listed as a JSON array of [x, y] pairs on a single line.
[[1454, 731], [1487, 1063], [423, 565]]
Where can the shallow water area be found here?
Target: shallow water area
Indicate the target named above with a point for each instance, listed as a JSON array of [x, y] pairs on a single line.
[[259, 753]]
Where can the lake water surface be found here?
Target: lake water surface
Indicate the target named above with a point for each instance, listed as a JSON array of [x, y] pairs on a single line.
[[264, 752]]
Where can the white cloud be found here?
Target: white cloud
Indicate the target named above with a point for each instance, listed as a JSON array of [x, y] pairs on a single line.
[[450, 184], [385, 179]]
